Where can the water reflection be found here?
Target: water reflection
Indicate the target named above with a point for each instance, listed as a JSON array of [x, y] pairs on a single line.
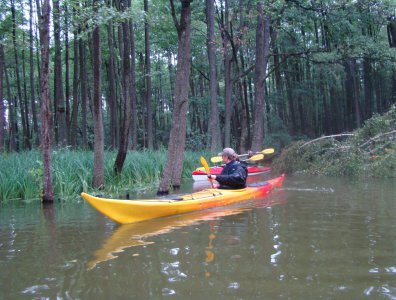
[[137, 234]]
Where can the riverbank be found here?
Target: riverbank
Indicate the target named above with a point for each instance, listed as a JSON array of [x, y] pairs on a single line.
[[21, 173], [367, 152]]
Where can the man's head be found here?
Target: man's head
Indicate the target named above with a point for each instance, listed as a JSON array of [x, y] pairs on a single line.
[[229, 154]]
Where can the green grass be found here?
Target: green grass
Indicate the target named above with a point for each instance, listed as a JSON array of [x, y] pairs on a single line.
[[21, 173]]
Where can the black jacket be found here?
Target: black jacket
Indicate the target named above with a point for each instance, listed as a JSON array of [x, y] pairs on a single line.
[[233, 176]]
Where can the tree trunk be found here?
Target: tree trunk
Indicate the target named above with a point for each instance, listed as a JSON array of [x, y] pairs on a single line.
[[368, 88], [67, 76], [262, 52], [147, 76], [32, 85], [2, 108], [134, 121], [227, 76], [48, 195], [98, 169], [12, 116], [126, 83], [25, 97], [351, 87], [26, 138], [177, 140], [59, 98], [112, 89], [214, 122], [84, 95], [74, 113]]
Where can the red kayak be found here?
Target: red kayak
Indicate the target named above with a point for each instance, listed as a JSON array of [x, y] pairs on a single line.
[[252, 171]]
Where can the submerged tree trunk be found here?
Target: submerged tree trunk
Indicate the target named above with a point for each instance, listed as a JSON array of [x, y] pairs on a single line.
[[48, 194], [177, 140]]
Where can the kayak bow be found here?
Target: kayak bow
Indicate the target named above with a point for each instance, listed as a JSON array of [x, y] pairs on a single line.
[[129, 211]]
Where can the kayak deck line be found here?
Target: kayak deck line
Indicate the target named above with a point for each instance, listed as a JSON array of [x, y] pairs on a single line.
[[130, 211]]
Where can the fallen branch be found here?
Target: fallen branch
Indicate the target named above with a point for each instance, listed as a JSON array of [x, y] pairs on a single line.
[[377, 137], [327, 137]]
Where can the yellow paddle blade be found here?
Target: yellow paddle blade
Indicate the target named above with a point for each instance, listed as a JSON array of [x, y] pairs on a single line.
[[205, 165], [257, 157], [268, 151], [216, 159]]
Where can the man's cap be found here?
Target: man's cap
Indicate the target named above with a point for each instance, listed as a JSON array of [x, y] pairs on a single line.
[[228, 152]]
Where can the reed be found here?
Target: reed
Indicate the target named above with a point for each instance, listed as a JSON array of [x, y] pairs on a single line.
[[21, 173]]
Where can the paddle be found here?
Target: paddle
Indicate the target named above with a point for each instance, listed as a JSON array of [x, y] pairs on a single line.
[[256, 157], [207, 169], [268, 151], [217, 159]]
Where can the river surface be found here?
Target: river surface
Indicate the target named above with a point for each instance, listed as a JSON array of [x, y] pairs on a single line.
[[315, 238]]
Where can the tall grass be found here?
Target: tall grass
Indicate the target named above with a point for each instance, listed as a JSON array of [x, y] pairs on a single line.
[[21, 173]]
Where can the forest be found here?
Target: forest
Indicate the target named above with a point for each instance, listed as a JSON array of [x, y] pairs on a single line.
[[150, 75]]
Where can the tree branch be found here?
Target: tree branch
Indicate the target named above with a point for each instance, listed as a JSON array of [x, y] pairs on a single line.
[[327, 137]]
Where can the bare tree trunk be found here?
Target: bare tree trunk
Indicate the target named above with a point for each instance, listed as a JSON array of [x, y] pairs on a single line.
[[126, 82], [12, 116], [84, 95], [98, 169], [262, 52], [227, 76], [32, 85], [2, 108], [67, 76], [59, 98], [214, 122], [26, 138], [351, 87], [44, 17], [74, 113], [177, 140], [112, 88], [25, 97], [147, 76], [134, 121]]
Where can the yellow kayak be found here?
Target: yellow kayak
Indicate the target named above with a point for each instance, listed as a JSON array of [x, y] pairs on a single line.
[[129, 211]]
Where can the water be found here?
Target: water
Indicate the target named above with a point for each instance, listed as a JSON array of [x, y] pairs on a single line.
[[316, 238]]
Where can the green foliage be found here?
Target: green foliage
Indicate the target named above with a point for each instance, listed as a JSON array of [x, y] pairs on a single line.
[[376, 125], [371, 152]]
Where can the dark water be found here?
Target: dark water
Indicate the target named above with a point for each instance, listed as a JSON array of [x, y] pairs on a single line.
[[316, 238]]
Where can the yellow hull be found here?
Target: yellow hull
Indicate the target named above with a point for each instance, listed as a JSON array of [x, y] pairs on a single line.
[[129, 211]]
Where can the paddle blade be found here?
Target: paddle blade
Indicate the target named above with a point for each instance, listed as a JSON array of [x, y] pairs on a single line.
[[205, 165], [216, 159], [268, 151], [257, 157]]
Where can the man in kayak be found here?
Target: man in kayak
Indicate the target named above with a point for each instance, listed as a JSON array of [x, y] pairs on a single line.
[[234, 173]]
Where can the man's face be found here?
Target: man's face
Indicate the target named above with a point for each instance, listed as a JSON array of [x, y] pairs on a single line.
[[225, 158]]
